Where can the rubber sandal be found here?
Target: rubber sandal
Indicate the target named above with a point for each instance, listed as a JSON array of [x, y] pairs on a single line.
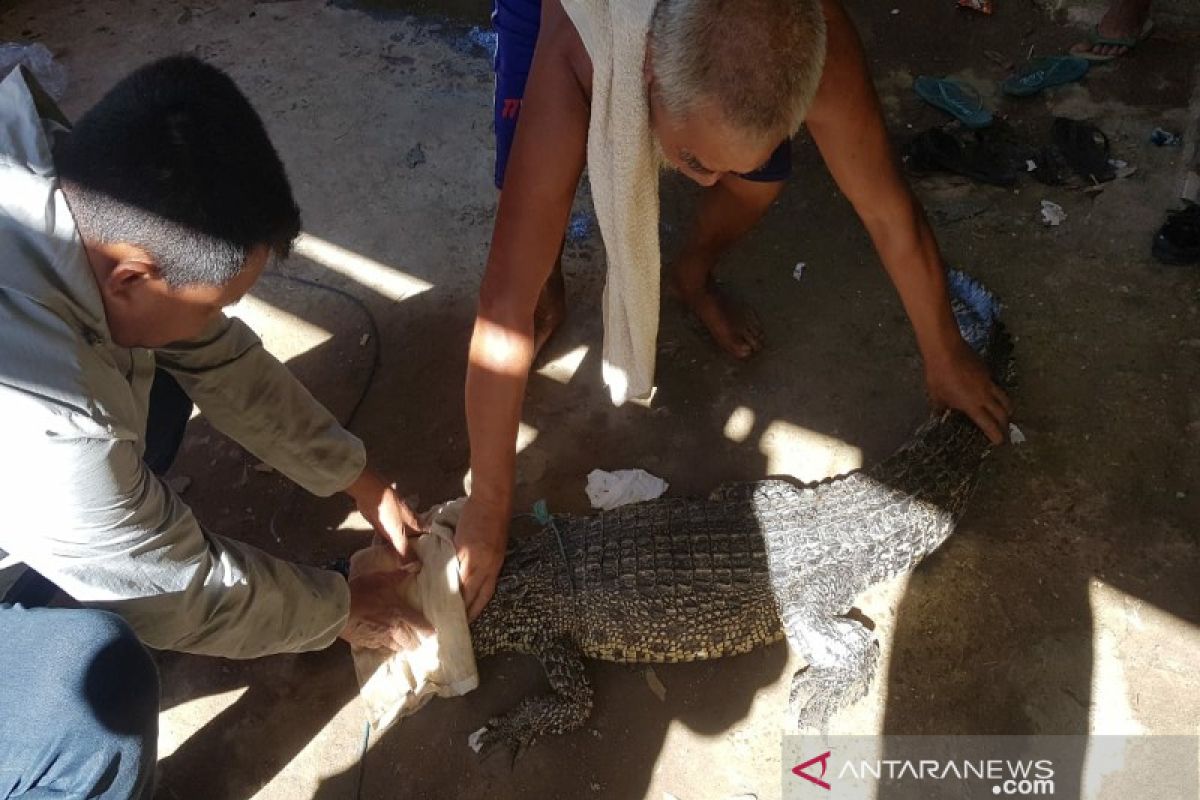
[[959, 100], [1044, 73], [1085, 147], [1129, 43], [1051, 167], [1178, 240], [968, 155]]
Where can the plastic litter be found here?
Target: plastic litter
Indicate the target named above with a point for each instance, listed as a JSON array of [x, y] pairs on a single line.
[[35, 57], [1164, 138], [1053, 214], [608, 490], [1123, 168], [798, 270], [1014, 434], [579, 227], [982, 6], [656, 685]]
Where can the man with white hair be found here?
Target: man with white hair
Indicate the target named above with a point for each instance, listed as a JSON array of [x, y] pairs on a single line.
[[726, 83]]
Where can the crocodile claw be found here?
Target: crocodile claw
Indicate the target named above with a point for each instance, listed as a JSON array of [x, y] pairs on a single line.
[[819, 691], [501, 735]]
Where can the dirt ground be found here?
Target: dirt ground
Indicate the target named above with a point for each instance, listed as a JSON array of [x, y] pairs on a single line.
[[1067, 601]]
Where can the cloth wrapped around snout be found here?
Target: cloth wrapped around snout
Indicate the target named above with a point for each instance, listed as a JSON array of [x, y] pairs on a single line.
[[395, 685]]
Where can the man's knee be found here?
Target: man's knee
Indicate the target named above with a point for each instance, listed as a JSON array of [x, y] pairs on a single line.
[[86, 673], [121, 680]]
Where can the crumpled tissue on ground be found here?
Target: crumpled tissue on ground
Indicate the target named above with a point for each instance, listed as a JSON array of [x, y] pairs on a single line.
[[607, 490]]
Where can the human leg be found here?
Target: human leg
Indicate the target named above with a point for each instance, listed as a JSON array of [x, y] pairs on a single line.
[[727, 211], [78, 706]]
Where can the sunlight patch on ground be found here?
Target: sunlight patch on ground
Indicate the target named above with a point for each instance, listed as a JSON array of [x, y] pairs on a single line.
[[563, 369], [739, 425], [1139, 652], [526, 435], [388, 281], [804, 454], [285, 335], [177, 724]]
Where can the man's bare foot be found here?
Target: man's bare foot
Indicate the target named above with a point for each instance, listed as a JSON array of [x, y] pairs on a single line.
[[551, 310], [1125, 21], [737, 332]]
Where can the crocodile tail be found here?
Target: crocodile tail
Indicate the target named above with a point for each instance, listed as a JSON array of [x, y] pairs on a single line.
[[931, 476]]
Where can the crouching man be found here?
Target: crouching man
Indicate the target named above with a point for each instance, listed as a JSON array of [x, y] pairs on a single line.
[[121, 241]]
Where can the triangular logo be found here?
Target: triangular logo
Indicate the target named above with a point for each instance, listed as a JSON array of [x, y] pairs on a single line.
[[799, 769]]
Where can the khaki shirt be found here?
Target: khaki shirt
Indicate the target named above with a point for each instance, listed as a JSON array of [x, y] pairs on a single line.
[[76, 501]]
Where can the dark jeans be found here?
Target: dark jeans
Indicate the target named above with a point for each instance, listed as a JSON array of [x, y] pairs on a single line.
[[78, 707], [78, 692]]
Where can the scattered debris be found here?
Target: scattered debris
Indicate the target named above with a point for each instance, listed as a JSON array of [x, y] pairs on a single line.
[[476, 38], [608, 490], [1180, 495], [895, 11], [1030, 165], [798, 270], [362, 342], [579, 227], [655, 684], [982, 6], [264, 468], [179, 484], [1014, 434], [1122, 167], [596, 787], [999, 60], [415, 156], [1164, 138], [1053, 214], [475, 740]]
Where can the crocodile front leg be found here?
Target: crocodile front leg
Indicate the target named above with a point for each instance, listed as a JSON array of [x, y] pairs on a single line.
[[566, 708], [840, 673]]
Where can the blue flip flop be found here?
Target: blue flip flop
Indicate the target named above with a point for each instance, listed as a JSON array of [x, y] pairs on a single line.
[[1044, 73], [957, 99]]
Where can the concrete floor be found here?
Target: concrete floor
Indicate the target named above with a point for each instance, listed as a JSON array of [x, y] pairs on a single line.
[[1067, 602]]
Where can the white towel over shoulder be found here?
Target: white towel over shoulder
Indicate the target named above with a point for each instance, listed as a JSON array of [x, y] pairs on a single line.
[[623, 169]]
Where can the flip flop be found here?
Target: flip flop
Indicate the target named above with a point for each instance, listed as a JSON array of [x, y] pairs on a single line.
[[1085, 148], [959, 100], [966, 154], [1095, 38], [1051, 167], [1044, 73]]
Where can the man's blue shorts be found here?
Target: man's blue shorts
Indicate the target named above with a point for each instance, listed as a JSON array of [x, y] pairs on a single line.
[[516, 23]]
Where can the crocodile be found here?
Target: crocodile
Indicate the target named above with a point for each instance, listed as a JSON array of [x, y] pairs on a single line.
[[674, 579]]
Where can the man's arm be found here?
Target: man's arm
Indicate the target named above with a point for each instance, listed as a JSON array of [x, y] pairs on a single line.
[[847, 125], [543, 171], [249, 396], [114, 537]]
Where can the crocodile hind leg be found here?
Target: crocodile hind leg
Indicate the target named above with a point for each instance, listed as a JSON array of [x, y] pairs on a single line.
[[842, 656], [566, 708]]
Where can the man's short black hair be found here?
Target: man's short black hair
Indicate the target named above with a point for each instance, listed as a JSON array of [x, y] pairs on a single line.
[[175, 160]]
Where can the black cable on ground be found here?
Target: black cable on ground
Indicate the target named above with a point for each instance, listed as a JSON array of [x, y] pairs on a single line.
[[377, 345], [376, 359]]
